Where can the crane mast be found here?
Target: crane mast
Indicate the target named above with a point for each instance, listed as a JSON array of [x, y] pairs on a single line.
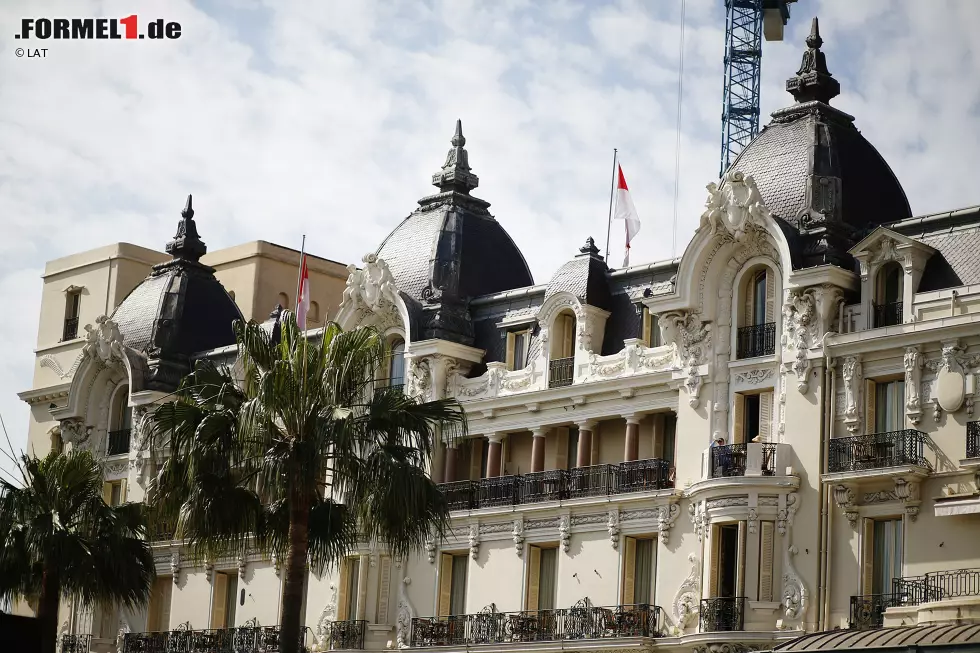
[[746, 22]]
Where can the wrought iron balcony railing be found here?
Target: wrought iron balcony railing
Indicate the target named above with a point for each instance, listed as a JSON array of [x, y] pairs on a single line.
[[887, 314], [76, 643], [559, 484], [345, 635], [722, 614], [250, 638], [580, 622], [70, 331], [118, 442], [561, 371], [730, 459], [868, 611], [877, 451], [973, 439], [756, 340]]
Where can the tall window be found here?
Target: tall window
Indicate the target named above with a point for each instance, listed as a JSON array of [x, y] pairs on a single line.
[[517, 342], [670, 436], [885, 405], [396, 366], [158, 612], [882, 554], [759, 298], [651, 329], [727, 549], [114, 492], [563, 338], [572, 457], [638, 571], [889, 288], [223, 599], [542, 582], [73, 303], [452, 584], [120, 423], [349, 588], [752, 417]]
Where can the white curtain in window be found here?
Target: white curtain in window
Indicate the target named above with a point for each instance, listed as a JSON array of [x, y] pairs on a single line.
[[457, 593], [887, 554], [548, 579], [643, 577], [890, 406]]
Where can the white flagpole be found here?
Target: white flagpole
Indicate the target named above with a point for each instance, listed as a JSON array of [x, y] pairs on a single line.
[[612, 191]]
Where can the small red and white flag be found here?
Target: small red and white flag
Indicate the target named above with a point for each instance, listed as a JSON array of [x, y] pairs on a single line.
[[626, 211], [303, 301]]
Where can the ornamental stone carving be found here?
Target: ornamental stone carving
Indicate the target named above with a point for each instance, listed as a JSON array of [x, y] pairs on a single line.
[[430, 549], [175, 566], [908, 493], [74, 431], [406, 612], [666, 516], [103, 341], [208, 570], [851, 372], [518, 534], [696, 510], [754, 377], [798, 313], [753, 521], [474, 540], [242, 567], [913, 378], [277, 565], [687, 600], [612, 525], [327, 616], [368, 287], [419, 379], [845, 499], [795, 596], [734, 209], [565, 532]]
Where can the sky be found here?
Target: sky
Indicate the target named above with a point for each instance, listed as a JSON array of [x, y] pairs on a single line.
[[328, 118]]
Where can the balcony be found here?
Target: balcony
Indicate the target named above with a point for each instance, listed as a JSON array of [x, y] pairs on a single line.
[[722, 614], [76, 643], [887, 314], [561, 371], [70, 332], [756, 340], [559, 484], [118, 442], [973, 439], [250, 638], [868, 611], [731, 459], [583, 621], [347, 635], [877, 451]]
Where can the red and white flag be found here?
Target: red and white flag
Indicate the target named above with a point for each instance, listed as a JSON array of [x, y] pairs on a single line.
[[303, 300], [626, 211]]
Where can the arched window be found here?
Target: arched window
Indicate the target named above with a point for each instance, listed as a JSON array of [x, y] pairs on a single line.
[[120, 423], [284, 300], [889, 288], [562, 364], [757, 322], [314, 312], [396, 365]]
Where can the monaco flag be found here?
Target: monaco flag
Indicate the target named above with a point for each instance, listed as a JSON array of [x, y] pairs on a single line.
[[303, 301], [626, 211]]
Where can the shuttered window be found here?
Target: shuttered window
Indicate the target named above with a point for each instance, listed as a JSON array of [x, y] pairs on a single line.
[[564, 336], [158, 612], [765, 560], [219, 601], [384, 591], [542, 581], [517, 342], [889, 412], [452, 584], [870, 405], [347, 596], [638, 571], [738, 419], [651, 329], [727, 560], [114, 492]]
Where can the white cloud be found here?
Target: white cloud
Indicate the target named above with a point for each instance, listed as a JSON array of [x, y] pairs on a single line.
[[328, 118]]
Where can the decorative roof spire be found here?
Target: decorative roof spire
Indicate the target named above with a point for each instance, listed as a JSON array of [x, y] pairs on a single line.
[[455, 174], [813, 82], [187, 244], [589, 249]]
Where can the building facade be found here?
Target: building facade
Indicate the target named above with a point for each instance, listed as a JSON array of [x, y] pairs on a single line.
[[771, 435]]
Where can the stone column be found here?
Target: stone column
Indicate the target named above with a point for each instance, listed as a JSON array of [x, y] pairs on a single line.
[[449, 473], [632, 449], [493, 455], [362, 587], [584, 458], [537, 448]]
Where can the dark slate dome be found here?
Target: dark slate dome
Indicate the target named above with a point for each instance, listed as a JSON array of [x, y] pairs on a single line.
[[817, 172], [179, 310], [450, 250]]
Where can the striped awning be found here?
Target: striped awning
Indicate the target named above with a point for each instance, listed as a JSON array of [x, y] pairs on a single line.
[[900, 638]]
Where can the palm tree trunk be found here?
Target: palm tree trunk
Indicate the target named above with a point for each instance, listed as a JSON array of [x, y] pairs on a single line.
[[294, 584], [47, 608]]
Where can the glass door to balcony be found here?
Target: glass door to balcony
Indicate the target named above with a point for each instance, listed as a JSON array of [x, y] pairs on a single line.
[[886, 554]]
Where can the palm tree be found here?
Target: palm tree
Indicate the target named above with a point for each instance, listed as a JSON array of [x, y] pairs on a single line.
[[299, 451], [61, 539]]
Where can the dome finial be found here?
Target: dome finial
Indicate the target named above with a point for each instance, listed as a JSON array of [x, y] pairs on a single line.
[[455, 174], [589, 248], [813, 82], [187, 244]]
